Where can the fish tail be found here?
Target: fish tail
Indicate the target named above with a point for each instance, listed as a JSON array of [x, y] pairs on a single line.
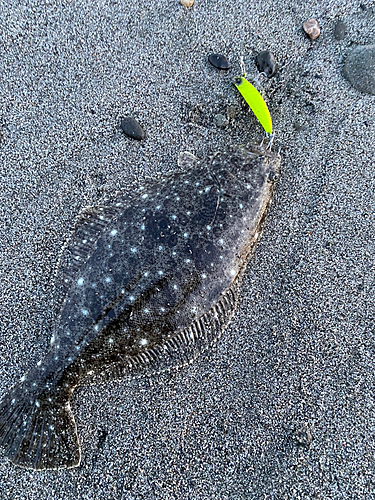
[[38, 431]]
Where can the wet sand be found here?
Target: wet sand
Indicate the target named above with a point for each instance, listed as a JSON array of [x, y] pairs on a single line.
[[297, 362]]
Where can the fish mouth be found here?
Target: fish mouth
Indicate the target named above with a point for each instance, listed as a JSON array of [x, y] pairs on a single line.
[[258, 150]]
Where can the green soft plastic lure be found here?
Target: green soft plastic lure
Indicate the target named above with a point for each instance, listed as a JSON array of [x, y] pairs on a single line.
[[255, 101]]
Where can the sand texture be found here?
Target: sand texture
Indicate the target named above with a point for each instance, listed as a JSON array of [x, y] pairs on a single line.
[[297, 362]]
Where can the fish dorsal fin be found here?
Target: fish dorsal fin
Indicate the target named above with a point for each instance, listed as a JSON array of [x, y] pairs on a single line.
[[81, 240], [88, 226], [84, 233]]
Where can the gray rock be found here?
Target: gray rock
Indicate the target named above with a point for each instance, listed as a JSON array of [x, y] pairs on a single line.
[[340, 30], [219, 61], [221, 120], [266, 63], [231, 112], [359, 69], [303, 437], [132, 129]]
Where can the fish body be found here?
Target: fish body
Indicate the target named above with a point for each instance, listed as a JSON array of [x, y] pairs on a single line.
[[148, 281]]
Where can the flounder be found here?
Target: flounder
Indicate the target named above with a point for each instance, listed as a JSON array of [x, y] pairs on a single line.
[[147, 282]]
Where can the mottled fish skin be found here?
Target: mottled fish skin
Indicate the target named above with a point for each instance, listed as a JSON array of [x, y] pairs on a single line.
[[157, 285]]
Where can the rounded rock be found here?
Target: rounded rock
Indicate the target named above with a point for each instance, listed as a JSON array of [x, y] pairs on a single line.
[[132, 129], [221, 120], [187, 3], [359, 69], [231, 112], [219, 61], [311, 28], [303, 437], [340, 30], [266, 63]]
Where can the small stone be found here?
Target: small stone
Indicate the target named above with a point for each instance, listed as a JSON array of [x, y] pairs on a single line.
[[312, 28], [219, 61], [359, 69], [186, 160], [132, 129], [299, 126], [221, 120], [303, 437], [231, 112], [187, 3], [266, 63], [340, 30]]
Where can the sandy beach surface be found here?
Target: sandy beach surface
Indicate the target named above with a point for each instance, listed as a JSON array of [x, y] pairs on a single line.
[[282, 407]]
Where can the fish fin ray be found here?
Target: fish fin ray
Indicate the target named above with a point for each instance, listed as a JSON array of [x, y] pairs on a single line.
[[182, 348], [80, 242], [38, 437]]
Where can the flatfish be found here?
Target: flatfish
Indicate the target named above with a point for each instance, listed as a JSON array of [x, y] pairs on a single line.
[[147, 282]]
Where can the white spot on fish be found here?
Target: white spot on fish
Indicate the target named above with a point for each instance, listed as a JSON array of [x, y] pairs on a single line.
[[84, 312], [80, 282], [143, 342], [108, 280], [113, 232]]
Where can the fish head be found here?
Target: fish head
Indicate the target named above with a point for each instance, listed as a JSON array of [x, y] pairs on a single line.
[[250, 167]]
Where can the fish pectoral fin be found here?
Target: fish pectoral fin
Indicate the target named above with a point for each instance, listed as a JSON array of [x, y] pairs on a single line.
[[38, 434]]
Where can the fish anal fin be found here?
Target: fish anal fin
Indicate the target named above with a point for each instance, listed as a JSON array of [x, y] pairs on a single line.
[[183, 347]]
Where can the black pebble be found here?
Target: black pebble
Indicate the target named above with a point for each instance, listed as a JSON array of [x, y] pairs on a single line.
[[266, 63], [340, 30], [132, 129], [219, 61], [303, 437]]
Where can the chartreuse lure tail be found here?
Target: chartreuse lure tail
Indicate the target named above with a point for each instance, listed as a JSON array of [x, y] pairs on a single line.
[[255, 101]]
